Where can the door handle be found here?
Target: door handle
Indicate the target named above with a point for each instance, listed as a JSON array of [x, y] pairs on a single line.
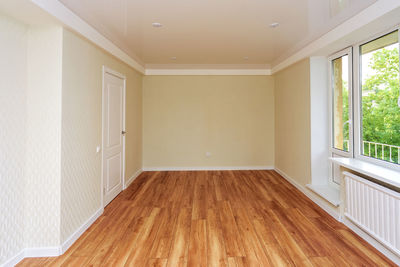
[[123, 132]]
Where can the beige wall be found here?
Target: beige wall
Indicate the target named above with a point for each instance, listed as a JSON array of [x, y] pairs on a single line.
[[232, 117], [51, 116], [43, 150], [13, 68], [292, 122], [30, 140], [81, 128]]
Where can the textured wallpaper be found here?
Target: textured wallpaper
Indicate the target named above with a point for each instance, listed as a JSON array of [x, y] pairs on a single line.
[[43, 164], [12, 135], [50, 117], [81, 124], [81, 128]]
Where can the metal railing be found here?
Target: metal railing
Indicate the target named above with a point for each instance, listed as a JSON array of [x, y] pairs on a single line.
[[376, 150]]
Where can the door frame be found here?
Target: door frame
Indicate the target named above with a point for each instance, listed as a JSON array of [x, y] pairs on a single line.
[[108, 70]]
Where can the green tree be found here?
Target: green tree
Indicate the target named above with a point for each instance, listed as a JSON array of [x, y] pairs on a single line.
[[380, 109]]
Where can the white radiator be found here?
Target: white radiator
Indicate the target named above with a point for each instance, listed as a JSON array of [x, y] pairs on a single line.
[[375, 209]]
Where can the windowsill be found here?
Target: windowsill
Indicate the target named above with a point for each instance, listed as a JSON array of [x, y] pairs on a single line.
[[329, 193], [379, 173]]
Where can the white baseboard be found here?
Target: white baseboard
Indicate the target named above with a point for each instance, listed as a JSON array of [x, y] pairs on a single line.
[[53, 251], [14, 260], [42, 252], [324, 205], [132, 178], [70, 240], [224, 168]]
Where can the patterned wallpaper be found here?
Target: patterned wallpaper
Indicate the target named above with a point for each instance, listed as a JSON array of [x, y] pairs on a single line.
[[50, 173], [12, 135], [43, 164], [81, 124], [81, 128], [30, 137]]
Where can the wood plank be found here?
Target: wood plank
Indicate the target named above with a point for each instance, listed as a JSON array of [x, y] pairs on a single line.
[[287, 242], [198, 244], [236, 261], [366, 250], [157, 263], [272, 248], [215, 218], [129, 243], [322, 261], [230, 232], [255, 254], [179, 249], [138, 254], [199, 210], [216, 253]]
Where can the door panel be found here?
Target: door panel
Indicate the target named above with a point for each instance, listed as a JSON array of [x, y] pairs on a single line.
[[114, 115], [114, 172], [113, 126]]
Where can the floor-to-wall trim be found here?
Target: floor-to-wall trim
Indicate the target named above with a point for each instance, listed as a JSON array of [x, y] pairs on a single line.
[[53, 251], [216, 168], [42, 252], [70, 240], [14, 260], [325, 206], [133, 177]]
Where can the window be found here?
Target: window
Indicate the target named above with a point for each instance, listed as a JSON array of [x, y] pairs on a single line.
[[379, 98], [340, 105], [374, 114], [341, 137]]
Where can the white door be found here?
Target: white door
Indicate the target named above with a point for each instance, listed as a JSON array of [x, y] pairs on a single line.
[[113, 134]]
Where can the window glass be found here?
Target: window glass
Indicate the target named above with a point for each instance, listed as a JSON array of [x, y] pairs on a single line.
[[340, 85], [380, 103]]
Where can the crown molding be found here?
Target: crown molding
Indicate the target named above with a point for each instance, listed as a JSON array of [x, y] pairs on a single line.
[[368, 15], [253, 72], [71, 20]]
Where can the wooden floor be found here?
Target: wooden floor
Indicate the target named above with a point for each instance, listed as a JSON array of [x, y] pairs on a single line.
[[215, 218]]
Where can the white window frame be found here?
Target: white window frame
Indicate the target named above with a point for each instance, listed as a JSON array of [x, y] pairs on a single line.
[[332, 149], [357, 102]]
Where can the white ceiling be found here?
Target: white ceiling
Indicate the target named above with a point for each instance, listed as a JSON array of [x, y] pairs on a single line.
[[213, 31]]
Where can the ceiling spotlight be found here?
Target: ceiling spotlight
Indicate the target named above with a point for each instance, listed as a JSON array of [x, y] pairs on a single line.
[[274, 25], [156, 24], [173, 58]]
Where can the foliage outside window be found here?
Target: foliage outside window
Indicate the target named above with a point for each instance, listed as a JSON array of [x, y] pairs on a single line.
[[380, 86]]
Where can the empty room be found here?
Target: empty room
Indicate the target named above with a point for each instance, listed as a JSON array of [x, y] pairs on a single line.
[[199, 133]]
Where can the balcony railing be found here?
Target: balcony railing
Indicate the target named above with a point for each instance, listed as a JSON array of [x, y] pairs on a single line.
[[381, 151]]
